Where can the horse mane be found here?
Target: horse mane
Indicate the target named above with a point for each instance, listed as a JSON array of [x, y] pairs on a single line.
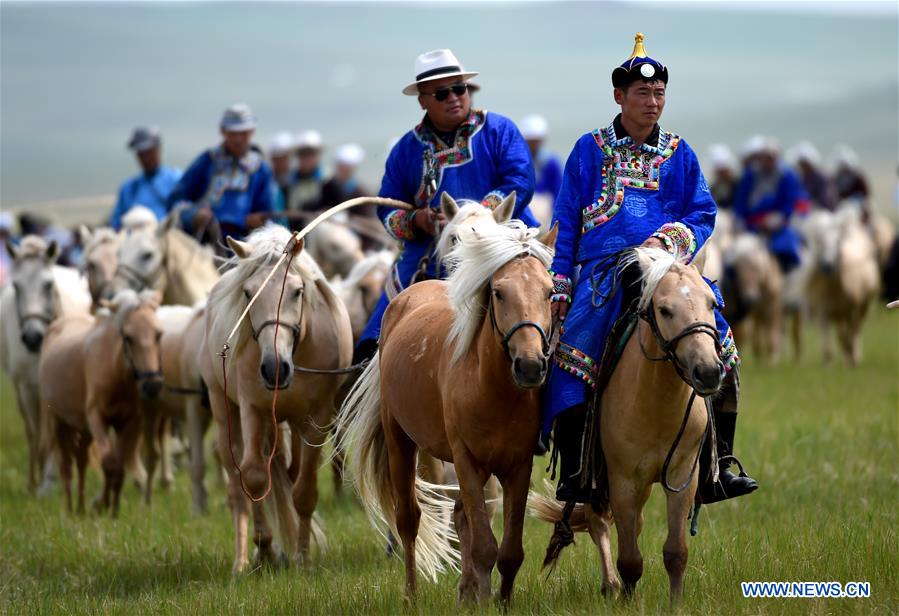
[[127, 300], [467, 209], [365, 266], [227, 298], [32, 247], [474, 260], [654, 264], [139, 218], [99, 237]]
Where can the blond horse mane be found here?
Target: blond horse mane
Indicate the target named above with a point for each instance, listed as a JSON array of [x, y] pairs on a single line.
[[227, 299], [654, 264], [474, 260]]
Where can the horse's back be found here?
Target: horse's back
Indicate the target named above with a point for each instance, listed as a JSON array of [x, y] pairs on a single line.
[[61, 373], [429, 295]]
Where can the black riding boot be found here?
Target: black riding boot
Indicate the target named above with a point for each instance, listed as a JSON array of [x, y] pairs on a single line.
[[724, 407], [569, 438]]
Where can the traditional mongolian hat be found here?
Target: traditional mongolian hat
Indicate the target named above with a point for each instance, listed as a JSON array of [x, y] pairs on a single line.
[[639, 66]]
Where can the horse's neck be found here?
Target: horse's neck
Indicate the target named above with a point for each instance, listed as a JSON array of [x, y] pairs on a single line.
[[191, 274], [493, 365], [658, 390]]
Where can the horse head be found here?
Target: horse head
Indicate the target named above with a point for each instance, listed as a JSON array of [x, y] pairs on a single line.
[[679, 307], [141, 261], [37, 299], [467, 216], [747, 264], [100, 260], [276, 316], [135, 317]]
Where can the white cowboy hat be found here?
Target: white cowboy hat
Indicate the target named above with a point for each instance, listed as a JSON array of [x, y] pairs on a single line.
[[433, 65], [350, 154], [308, 140], [281, 144], [534, 127]]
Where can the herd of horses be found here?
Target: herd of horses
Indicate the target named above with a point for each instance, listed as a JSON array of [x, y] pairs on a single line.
[[155, 337]]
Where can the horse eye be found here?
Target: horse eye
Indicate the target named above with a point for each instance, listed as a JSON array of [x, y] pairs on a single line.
[[497, 295], [146, 256], [128, 339], [665, 312], [246, 294], [298, 293], [48, 286]]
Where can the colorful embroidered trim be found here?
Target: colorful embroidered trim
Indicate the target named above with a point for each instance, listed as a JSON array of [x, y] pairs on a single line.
[[399, 225], [678, 239], [625, 167], [493, 199], [729, 354], [561, 288], [580, 365], [444, 155]]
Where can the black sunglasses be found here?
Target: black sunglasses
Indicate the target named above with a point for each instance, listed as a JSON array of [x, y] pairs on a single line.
[[442, 94]]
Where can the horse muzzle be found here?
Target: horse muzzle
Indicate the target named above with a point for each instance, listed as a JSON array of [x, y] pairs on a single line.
[[270, 370], [151, 387], [529, 372], [706, 378], [32, 338]]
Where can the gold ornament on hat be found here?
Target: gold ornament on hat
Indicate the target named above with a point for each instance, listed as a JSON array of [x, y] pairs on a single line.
[[639, 50]]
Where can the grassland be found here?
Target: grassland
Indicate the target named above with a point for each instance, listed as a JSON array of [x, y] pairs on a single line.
[[821, 440]]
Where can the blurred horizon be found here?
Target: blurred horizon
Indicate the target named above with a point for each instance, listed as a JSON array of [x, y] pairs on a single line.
[[77, 77]]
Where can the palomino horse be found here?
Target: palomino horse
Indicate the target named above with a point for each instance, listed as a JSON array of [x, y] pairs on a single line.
[[476, 406], [167, 260], [38, 293], [335, 247], [753, 289], [644, 406], [100, 261], [296, 322], [844, 277], [93, 374]]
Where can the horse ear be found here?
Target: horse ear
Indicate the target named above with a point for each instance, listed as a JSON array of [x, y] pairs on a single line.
[[503, 211], [548, 239], [52, 252], [448, 205], [12, 249], [241, 249], [85, 235]]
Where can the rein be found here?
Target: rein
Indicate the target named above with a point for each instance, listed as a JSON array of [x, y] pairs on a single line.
[[669, 348], [137, 280], [544, 339]]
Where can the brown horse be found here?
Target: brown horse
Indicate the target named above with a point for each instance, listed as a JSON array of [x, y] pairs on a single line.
[[94, 372], [457, 377], [643, 407], [296, 321]]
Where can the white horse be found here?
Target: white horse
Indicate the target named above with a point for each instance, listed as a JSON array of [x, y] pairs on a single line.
[[844, 277], [335, 247], [362, 288], [39, 292]]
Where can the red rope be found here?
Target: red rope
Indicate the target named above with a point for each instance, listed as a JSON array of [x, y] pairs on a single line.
[[224, 354]]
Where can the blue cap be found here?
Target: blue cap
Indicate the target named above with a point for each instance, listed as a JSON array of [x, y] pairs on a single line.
[[639, 66]]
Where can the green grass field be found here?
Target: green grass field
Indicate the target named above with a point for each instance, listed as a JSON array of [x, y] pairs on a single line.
[[822, 442]]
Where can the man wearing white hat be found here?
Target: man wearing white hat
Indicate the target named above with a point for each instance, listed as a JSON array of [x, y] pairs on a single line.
[[456, 149], [547, 166], [724, 175], [230, 183], [280, 149], [768, 196], [150, 188], [344, 185], [306, 185], [819, 187]]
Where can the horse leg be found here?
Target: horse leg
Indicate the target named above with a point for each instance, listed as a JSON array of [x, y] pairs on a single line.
[[826, 340], [104, 450], [674, 552], [262, 536], [126, 444], [599, 524], [467, 582], [151, 422], [237, 500], [511, 551], [65, 446], [305, 489], [627, 508], [28, 405], [198, 422], [81, 459], [401, 454], [165, 453], [483, 546]]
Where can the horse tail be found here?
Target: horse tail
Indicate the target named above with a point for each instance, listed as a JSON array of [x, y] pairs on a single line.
[[546, 508], [279, 508], [362, 438]]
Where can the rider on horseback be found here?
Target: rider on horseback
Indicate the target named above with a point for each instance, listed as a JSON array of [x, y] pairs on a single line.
[[457, 149], [627, 184]]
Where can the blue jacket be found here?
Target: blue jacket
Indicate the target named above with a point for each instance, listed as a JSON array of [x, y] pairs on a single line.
[[151, 191], [232, 188], [549, 174]]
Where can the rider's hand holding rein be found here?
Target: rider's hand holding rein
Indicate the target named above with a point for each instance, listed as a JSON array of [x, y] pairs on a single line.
[[427, 221]]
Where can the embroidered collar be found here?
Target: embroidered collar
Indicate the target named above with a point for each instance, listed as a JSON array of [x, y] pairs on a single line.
[[445, 155], [249, 163], [618, 135], [426, 134]]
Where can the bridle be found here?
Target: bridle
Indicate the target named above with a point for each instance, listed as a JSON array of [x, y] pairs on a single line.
[[296, 328], [139, 375], [46, 317], [506, 337], [136, 280], [669, 350]]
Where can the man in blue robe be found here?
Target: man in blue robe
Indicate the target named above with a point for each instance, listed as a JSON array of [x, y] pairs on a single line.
[[151, 188], [230, 184], [628, 184], [768, 196], [466, 152]]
